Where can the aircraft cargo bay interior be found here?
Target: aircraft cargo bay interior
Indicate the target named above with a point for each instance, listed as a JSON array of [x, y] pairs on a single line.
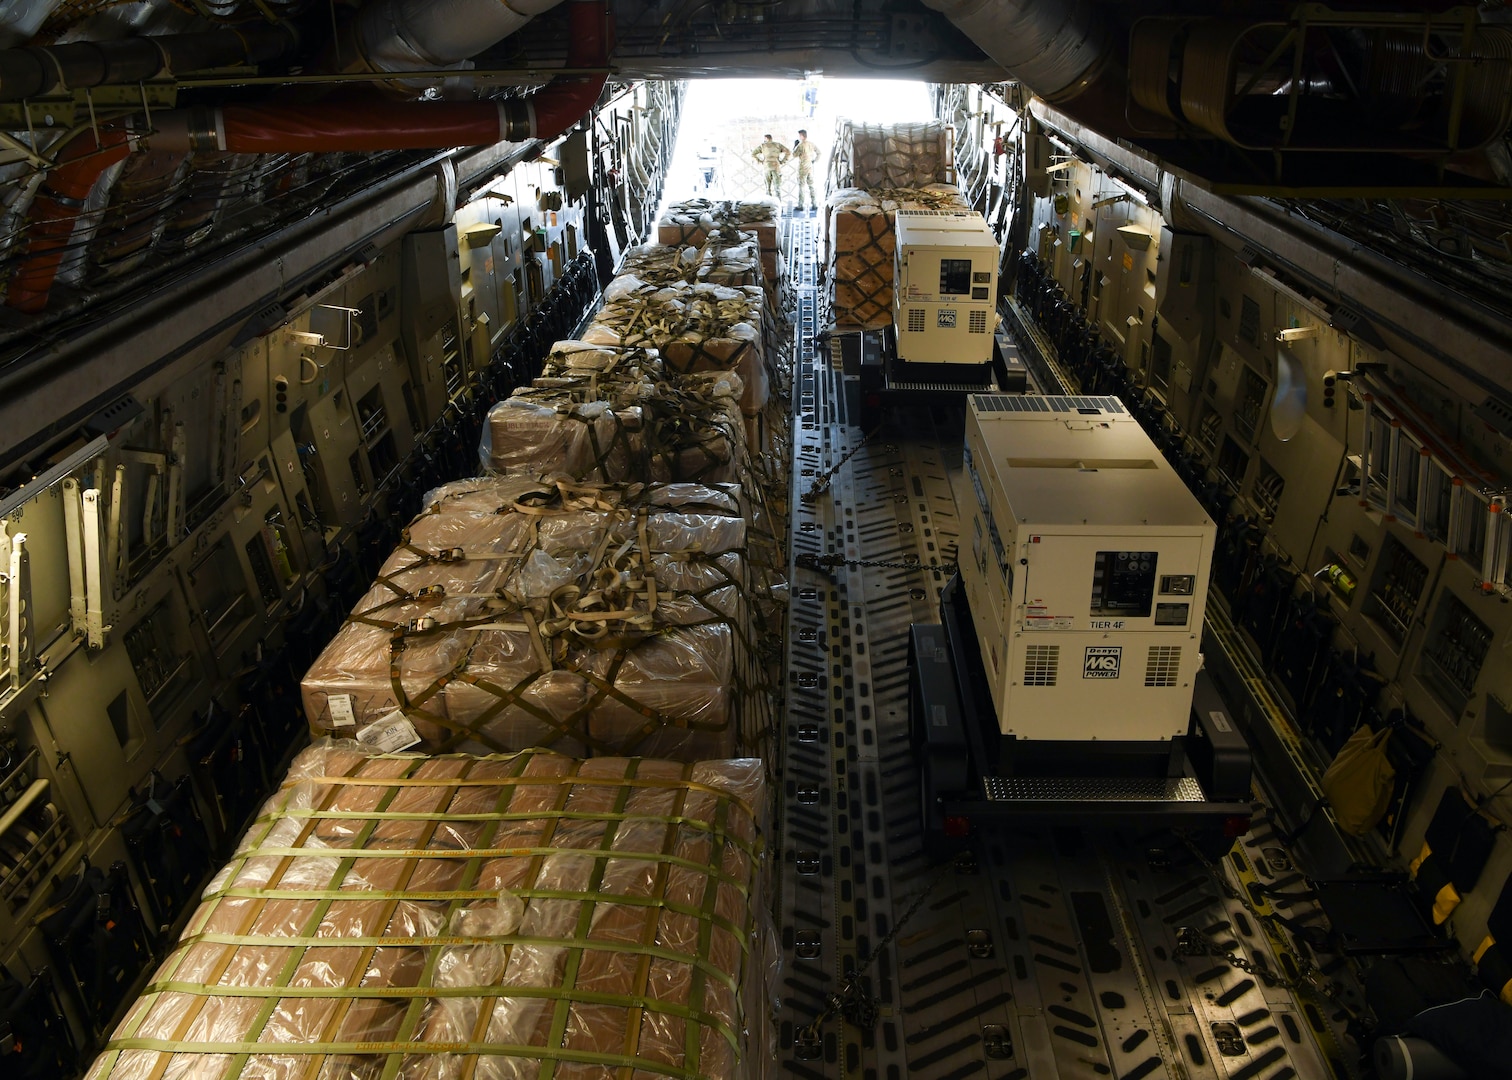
[[892, 539]]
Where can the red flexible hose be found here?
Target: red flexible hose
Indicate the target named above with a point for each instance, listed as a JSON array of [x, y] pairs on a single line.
[[374, 124], [55, 211], [566, 100]]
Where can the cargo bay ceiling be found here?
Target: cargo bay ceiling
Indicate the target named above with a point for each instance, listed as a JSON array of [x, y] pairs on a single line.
[[139, 137]]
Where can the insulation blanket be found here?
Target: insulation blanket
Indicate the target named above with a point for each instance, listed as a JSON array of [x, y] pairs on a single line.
[[691, 221], [861, 244], [895, 155], [493, 918], [608, 415], [590, 619], [693, 327]]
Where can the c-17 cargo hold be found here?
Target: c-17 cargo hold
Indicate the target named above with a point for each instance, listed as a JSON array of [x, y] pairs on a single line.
[[714, 668]]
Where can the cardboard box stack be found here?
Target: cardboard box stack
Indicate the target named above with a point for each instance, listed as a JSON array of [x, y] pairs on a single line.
[[877, 170], [608, 415], [474, 917], [590, 619], [692, 221]]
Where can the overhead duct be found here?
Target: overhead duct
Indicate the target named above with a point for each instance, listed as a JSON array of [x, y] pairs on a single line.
[[1057, 48], [411, 35], [371, 124], [1063, 51], [1354, 81]]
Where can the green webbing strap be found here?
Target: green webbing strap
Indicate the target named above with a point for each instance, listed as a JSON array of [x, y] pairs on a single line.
[[655, 952], [635, 1016], [452, 853], [322, 907], [397, 1050], [112, 1051], [390, 906], [434, 895], [693, 1045], [562, 1010], [696, 824], [414, 1011]]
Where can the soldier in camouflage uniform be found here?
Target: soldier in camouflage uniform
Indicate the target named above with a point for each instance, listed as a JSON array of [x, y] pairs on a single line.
[[772, 155], [807, 154]]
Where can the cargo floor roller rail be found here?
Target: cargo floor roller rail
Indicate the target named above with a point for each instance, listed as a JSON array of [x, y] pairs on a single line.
[[1098, 945]]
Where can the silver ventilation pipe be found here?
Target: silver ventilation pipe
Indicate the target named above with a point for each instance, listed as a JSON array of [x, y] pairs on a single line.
[[410, 35], [1057, 48]]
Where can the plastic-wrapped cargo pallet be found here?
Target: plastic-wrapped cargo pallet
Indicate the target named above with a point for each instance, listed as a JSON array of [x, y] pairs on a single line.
[[621, 418], [606, 414], [589, 619], [723, 258], [861, 243], [661, 264], [893, 155], [485, 917], [690, 222], [693, 327]]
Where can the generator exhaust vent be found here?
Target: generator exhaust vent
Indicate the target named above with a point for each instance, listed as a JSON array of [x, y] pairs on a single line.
[[915, 320], [1162, 664], [978, 323], [1041, 665]]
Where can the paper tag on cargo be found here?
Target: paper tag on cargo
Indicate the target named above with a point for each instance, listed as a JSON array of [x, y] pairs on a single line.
[[341, 710], [390, 735]]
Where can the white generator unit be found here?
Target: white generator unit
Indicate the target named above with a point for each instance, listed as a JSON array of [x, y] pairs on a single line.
[[1085, 565], [944, 287]]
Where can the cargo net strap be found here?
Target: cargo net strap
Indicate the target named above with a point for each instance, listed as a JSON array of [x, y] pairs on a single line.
[[687, 432], [606, 610], [386, 910], [862, 275]]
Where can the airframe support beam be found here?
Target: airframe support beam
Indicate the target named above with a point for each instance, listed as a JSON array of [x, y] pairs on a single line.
[[1451, 330], [179, 327]]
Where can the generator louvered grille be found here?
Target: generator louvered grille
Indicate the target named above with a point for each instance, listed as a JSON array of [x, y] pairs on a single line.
[[1162, 664], [915, 320], [1041, 664], [1047, 403], [978, 323]]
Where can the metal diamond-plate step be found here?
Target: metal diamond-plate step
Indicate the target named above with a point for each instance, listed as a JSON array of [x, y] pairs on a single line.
[[989, 386], [1091, 789]]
